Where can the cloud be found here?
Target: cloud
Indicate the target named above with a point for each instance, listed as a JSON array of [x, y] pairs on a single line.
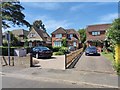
[[85, 5], [109, 17], [44, 5], [77, 7]]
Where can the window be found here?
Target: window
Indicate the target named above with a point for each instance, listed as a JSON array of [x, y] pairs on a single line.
[[71, 35], [96, 33], [57, 44], [58, 35], [32, 34], [74, 44]]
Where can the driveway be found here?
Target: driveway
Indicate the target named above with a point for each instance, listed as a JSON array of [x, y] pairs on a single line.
[[94, 64], [55, 62]]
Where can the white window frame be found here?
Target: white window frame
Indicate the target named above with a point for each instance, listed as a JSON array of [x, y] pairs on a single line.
[[57, 43], [58, 35]]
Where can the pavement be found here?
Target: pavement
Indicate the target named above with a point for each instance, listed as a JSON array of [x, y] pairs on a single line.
[[95, 71]]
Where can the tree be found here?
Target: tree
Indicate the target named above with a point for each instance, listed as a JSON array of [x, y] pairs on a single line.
[[113, 34], [64, 42], [82, 33], [38, 25], [11, 15]]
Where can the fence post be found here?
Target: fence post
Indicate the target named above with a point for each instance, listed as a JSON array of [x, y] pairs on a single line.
[[4, 60], [65, 60], [31, 61], [12, 61]]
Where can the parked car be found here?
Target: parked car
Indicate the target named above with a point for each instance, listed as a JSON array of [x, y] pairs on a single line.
[[41, 52], [71, 48], [92, 50]]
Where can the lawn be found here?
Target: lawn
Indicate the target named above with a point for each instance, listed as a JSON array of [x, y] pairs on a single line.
[[108, 55]]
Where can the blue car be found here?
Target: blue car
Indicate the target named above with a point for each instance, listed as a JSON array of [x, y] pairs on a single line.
[[91, 50]]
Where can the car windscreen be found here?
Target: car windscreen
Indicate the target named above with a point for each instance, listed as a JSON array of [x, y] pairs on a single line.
[[44, 48], [91, 48]]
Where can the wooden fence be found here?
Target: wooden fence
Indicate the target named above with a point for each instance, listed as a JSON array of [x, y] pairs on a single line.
[[69, 58]]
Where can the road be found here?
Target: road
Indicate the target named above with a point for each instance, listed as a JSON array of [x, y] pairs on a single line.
[[89, 72], [13, 82]]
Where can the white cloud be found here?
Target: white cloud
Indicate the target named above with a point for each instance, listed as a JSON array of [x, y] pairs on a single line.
[[77, 7], [109, 17], [44, 5]]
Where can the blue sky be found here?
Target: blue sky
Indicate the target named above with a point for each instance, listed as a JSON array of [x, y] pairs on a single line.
[[76, 15]]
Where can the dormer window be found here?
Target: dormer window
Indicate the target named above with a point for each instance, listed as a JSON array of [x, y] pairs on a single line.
[[58, 35], [96, 33]]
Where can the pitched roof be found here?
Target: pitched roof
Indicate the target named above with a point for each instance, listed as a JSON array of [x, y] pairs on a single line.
[[100, 27], [60, 30], [72, 31], [42, 34], [18, 32]]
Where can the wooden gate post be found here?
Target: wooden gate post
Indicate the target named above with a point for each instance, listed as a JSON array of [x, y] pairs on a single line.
[[31, 60]]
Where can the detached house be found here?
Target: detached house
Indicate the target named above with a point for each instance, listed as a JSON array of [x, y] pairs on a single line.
[[96, 34], [72, 37], [37, 37], [20, 34]]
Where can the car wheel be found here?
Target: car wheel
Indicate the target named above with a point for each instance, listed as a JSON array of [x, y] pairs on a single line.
[[37, 56], [86, 54]]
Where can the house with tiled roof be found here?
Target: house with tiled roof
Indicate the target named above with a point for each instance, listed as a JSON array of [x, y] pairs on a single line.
[[72, 37], [20, 34], [38, 37], [96, 34]]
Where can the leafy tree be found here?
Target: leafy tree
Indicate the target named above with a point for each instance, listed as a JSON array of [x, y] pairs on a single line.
[[11, 14], [82, 33], [113, 34], [64, 42], [38, 25]]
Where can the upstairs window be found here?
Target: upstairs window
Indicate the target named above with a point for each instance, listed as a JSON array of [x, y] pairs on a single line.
[[32, 35], [71, 35], [96, 33], [58, 35]]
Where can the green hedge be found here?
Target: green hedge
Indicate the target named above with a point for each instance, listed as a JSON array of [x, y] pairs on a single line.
[[58, 53], [5, 50], [56, 49]]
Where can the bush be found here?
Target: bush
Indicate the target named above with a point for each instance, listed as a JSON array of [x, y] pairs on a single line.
[[5, 51], [84, 46], [56, 49], [58, 53], [117, 68], [63, 49]]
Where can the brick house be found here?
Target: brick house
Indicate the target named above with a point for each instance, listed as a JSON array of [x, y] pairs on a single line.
[[72, 37], [96, 34], [37, 37]]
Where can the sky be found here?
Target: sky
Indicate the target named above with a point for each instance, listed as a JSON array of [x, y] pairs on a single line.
[[75, 15]]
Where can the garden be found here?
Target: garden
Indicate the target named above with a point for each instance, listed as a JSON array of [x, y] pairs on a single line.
[[112, 52]]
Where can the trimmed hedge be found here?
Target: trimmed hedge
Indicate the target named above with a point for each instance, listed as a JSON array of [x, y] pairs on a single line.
[[58, 53], [5, 50]]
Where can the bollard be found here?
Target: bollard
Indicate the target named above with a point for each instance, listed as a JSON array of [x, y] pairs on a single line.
[[31, 61], [65, 60], [12, 61]]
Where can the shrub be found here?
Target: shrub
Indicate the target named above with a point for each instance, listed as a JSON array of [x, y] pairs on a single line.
[[58, 53], [84, 46], [117, 68], [5, 51], [56, 49], [63, 49]]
